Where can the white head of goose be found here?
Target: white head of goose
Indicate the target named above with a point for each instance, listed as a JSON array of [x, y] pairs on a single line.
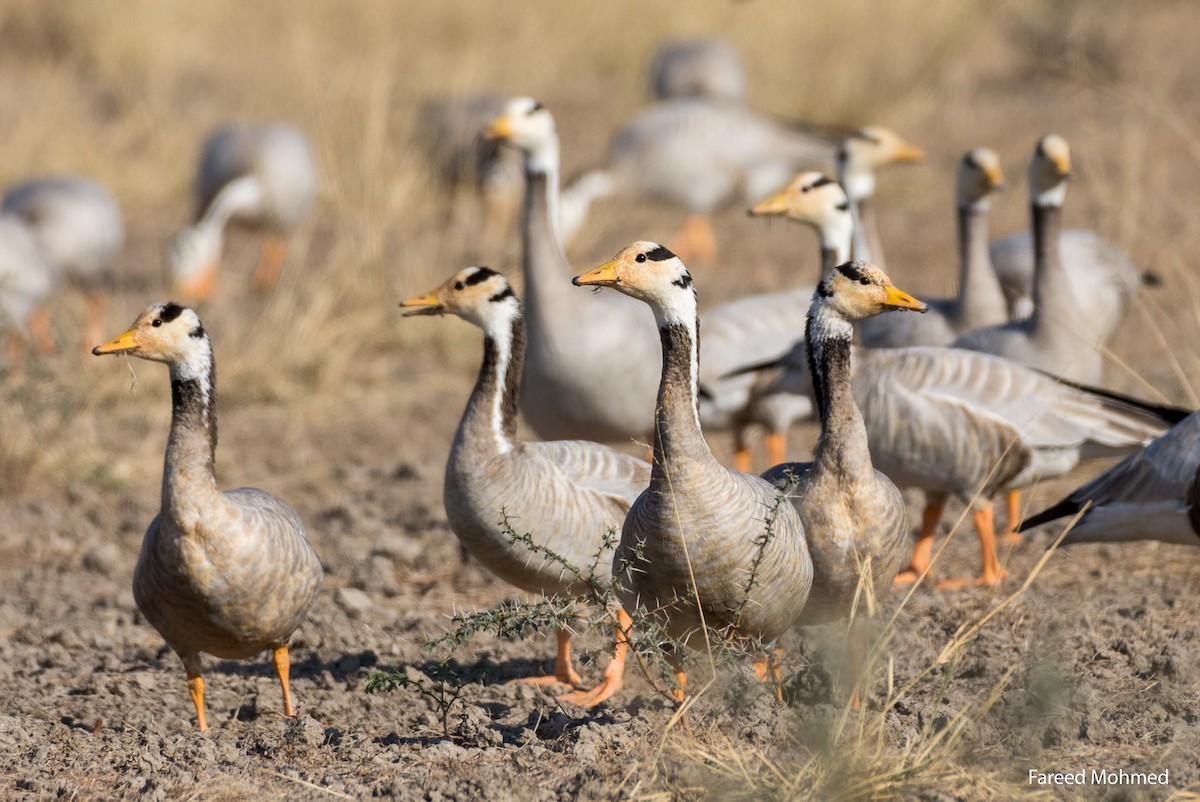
[[229, 574], [861, 154], [565, 494], [818, 201], [692, 547]]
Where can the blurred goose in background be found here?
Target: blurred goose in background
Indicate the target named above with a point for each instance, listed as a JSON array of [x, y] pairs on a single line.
[[957, 423], [699, 154], [706, 68], [591, 366], [451, 132], [230, 573], [1151, 495], [692, 549], [566, 495], [854, 517], [979, 301], [860, 155], [764, 322], [1057, 338], [261, 175], [78, 226], [1099, 271], [27, 280]]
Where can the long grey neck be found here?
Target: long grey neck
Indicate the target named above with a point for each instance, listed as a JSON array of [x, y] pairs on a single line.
[[677, 434], [867, 245], [842, 447], [980, 297], [489, 422], [830, 258], [547, 272], [188, 471], [1052, 291]]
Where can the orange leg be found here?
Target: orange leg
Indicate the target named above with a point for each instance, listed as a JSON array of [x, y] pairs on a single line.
[[923, 551], [97, 305], [270, 262], [990, 572], [741, 451], [615, 672], [696, 241], [16, 357], [563, 674], [767, 669], [679, 692], [196, 688], [1013, 502], [199, 287], [776, 448], [283, 667], [39, 331]]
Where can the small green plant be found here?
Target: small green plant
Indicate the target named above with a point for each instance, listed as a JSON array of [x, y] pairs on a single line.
[[440, 685]]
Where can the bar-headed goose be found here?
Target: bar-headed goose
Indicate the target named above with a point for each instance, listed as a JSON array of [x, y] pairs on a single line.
[[27, 280], [1151, 495], [261, 175], [1057, 337], [591, 367], [78, 225], [707, 68], [565, 494], [230, 573], [702, 546], [957, 423]]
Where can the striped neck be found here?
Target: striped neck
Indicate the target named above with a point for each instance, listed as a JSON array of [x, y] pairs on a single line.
[[189, 466], [842, 446], [677, 433], [489, 422]]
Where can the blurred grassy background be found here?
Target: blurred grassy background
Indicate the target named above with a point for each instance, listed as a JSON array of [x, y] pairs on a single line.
[[125, 92]]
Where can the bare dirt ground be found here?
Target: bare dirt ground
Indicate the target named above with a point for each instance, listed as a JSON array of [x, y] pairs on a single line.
[[331, 401]]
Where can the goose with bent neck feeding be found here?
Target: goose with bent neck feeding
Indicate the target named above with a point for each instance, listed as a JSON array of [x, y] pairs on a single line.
[[702, 547], [1055, 339], [859, 156], [230, 573], [1151, 495], [78, 225], [261, 175], [27, 280], [591, 368], [567, 494]]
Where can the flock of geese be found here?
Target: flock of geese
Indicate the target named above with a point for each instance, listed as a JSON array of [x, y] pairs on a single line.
[[971, 396]]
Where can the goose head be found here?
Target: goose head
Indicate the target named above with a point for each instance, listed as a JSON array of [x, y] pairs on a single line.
[[652, 274], [868, 149], [859, 290], [169, 333], [195, 258], [979, 175], [814, 199], [478, 295], [525, 124], [1049, 171]]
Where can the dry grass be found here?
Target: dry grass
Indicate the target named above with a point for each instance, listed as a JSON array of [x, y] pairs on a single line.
[[124, 91]]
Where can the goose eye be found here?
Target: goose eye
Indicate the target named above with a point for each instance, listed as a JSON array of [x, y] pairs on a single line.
[[806, 189], [156, 323], [641, 257], [458, 285], [864, 281]]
